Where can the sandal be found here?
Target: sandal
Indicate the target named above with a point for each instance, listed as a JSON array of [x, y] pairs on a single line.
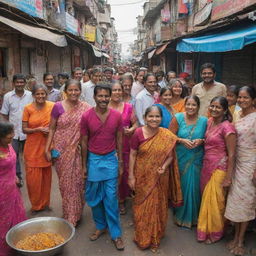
[[154, 248], [208, 241], [119, 244], [20, 184], [231, 245], [95, 236]]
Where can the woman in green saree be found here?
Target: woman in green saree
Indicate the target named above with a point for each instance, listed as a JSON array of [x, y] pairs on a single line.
[[190, 129]]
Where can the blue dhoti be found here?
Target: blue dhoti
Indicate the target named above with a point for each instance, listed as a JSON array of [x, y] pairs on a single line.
[[101, 192]]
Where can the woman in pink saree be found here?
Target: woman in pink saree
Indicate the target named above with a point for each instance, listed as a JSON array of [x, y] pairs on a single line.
[[218, 164], [63, 139], [129, 123], [12, 210]]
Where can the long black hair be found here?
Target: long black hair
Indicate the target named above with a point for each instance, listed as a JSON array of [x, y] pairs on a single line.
[[164, 89], [224, 104]]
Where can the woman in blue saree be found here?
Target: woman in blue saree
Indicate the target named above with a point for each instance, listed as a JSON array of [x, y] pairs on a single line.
[[165, 105], [190, 129]]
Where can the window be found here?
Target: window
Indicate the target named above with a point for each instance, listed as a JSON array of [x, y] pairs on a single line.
[[3, 62]]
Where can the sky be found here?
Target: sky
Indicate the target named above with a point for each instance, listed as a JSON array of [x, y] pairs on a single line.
[[125, 13]]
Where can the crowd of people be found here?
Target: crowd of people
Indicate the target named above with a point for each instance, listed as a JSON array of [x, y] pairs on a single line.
[[160, 140]]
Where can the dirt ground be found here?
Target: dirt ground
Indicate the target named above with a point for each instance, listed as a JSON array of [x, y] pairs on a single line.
[[177, 241]]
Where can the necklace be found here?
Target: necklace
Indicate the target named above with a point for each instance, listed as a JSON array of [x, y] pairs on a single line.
[[4, 152]]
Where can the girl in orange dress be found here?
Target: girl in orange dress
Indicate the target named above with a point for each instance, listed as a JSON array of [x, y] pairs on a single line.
[[35, 123]]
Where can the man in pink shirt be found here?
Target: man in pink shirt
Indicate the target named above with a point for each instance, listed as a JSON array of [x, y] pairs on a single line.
[[101, 139]]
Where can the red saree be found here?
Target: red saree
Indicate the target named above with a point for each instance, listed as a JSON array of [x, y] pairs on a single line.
[[152, 189]]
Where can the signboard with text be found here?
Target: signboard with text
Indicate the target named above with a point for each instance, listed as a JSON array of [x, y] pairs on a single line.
[[31, 7], [90, 33], [225, 8], [71, 24], [202, 15]]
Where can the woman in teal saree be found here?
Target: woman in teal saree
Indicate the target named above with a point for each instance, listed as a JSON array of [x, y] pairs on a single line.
[[190, 129]]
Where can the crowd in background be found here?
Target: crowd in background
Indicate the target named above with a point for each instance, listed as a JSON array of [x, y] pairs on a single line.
[[115, 134]]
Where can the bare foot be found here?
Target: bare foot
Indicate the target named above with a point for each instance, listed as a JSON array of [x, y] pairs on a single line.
[[238, 250], [232, 244], [253, 252], [122, 208]]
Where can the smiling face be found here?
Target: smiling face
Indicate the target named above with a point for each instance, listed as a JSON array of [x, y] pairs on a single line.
[[153, 118], [78, 74], [177, 89], [102, 98], [244, 100], [191, 107], [171, 75], [96, 77], [49, 81], [165, 98], [86, 77], [150, 84], [208, 75], [127, 85], [108, 75], [73, 92], [216, 110], [62, 80], [117, 92], [231, 98], [40, 96], [140, 76], [19, 84]]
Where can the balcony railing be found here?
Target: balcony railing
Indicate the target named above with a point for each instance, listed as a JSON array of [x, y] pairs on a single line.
[[152, 9]]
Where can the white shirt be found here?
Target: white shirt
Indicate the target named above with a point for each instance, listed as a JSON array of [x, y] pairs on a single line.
[[136, 88], [162, 84], [88, 93], [143, 100], [13, 106]]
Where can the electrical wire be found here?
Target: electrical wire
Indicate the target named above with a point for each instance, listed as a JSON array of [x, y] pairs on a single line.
[[131, 3]]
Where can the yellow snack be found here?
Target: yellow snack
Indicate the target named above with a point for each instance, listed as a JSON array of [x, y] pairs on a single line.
[[40, 241]]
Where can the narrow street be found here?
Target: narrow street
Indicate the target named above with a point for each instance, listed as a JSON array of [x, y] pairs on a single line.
[[177, 242]]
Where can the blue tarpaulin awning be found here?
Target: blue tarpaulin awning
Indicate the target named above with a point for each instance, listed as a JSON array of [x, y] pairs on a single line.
[[229, 40]]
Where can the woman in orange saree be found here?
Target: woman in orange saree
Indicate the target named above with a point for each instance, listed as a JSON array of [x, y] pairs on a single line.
[[149, 176]]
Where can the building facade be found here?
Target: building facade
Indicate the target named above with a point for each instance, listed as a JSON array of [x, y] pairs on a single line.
[[177, 31], [39, 36]]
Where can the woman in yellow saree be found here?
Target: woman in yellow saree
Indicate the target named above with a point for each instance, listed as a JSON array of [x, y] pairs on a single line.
[[149, 176], [216, 174]]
